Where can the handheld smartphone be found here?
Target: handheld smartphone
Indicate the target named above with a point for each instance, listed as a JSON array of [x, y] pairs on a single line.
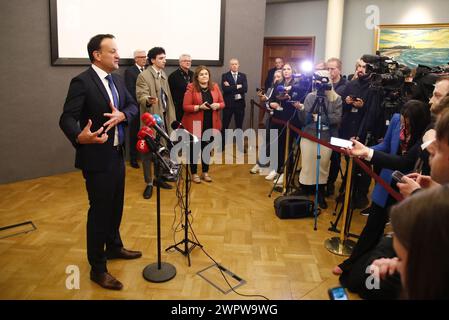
[[397, 176], [342, 143], [338, 293], [207, 104]]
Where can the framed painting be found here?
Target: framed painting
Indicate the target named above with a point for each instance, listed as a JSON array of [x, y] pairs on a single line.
[[414, 44]]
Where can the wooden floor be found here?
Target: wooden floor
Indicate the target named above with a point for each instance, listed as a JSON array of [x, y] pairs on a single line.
[[233, 219]]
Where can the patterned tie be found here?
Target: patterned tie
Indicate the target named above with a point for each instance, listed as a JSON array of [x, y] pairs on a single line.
[[115, 101]]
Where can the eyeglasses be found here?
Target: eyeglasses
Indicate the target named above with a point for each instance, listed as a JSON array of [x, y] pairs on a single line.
[[186, 60], [141, 57]]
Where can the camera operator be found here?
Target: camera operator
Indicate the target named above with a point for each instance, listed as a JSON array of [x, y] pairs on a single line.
[[339, 85], [354, 97], [285, 101], [330, 119]]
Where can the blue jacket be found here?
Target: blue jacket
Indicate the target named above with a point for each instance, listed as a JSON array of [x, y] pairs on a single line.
[[390, 145]]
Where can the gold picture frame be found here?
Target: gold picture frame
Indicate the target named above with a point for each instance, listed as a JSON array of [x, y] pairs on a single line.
[[414, 44]]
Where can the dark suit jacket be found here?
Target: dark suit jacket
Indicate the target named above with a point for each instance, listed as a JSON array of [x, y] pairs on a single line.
[[88, 99], [178, 86], [230, 91], [131, 74]]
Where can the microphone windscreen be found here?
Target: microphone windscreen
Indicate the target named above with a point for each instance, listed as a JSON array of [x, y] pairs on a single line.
[[176, 125], [280, 88], [148, 119], [142, 146], [158, 120]]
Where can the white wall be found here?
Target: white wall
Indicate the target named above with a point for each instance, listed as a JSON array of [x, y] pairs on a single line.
[[299, 19]]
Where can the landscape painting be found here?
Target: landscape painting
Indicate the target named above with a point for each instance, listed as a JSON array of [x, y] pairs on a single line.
[[413, 45]]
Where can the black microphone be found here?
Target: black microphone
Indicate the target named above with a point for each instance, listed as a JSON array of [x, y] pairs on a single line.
[[176, 125], [149, 120]]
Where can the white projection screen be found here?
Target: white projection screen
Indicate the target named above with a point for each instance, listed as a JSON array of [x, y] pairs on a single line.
[[195, 27]]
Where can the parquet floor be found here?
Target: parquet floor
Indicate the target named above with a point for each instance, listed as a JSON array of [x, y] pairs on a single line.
[[232, 217]]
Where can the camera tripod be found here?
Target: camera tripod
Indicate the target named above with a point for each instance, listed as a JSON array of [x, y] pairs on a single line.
[[318, 108], [186, 241]]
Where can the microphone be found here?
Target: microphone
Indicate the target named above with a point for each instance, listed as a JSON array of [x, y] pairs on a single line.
[[176, 125], [146, 131], [147, 144], [149, 120], [142, 146], [159, 120], [281, 88]]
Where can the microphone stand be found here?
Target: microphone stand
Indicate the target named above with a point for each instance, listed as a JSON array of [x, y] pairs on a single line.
[[159, 271], [186, 241]]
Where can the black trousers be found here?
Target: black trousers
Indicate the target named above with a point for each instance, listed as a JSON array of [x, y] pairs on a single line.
[[194, 158], [371, 234], [133, 127], [105, 190], [239, 116], [334, 167]]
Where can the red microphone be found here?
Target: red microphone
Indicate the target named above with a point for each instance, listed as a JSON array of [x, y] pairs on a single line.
[[149, 120], [146, 131], [142, 146]]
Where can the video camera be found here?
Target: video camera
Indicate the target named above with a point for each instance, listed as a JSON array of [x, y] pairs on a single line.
[[385, 72]]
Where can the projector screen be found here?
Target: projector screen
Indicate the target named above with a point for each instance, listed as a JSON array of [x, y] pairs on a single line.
[[195, 27]]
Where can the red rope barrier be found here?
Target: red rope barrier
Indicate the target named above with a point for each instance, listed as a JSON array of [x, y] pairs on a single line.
[[396, 195]]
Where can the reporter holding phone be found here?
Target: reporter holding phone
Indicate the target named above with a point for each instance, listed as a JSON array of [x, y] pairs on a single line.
[[202, 104], [398, 151]]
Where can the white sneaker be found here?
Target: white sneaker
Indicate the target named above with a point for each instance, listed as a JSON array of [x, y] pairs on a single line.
[[271, 175], [280, 180], [255, 169]]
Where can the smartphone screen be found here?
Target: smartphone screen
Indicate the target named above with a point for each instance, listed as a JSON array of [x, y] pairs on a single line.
[[338, 293]]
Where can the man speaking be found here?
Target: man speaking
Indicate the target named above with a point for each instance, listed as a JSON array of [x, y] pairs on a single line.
[[95, 111]]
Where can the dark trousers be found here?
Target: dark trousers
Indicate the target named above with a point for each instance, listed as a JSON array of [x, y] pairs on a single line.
[[105, 190], [134, 127], [281, 143], [334, 167], [194, 158], [355, 280], [371, 234], [239, 115]]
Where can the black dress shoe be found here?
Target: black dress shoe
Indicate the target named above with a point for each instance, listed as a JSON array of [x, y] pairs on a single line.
[[123, 253], [105, 280], [148, 192], [134, 164], [162, 184]]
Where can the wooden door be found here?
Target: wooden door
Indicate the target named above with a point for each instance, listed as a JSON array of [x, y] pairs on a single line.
[[294, 50]]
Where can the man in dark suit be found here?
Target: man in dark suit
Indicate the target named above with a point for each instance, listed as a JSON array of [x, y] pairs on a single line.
[[131, 73], [97, 107], [234, 85], [178, 81]]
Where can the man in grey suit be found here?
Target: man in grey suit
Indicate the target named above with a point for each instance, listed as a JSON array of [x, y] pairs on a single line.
[[154, 96], [131, 74]]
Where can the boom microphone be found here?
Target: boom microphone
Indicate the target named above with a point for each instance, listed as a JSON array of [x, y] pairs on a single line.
[[149, 120]]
